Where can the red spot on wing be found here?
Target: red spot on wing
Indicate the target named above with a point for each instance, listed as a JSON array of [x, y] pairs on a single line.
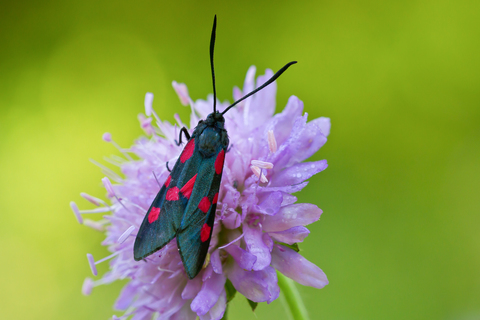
[[172, 194], [219, 162], [168, 181], [188, 151], [205, 232], [153, 215], [215, 198], [204, 205], [188, 187]]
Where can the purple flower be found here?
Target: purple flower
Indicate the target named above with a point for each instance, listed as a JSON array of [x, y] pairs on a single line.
[[257, 218]]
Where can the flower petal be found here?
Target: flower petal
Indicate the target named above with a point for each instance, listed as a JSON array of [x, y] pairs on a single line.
[[143, 314], [268, 241], [216, 262], [237, 93], [258, 286], [126, 297], [249, 80], [269, 203], [282, 123], [288, 199], [218, 310], [209, 294], [185, 313], [262, 105], [291, 236], [245, 259], [232, 219], [207, 273], [192, 288], [256, 246], [299, 214], [310, 140], [296, 267], [298, 173], [323, 124], [285, 189]]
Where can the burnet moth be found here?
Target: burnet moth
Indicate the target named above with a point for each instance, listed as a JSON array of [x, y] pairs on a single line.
[[186, 203]]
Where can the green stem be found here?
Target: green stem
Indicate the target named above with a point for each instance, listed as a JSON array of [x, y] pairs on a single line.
[[293, 298]]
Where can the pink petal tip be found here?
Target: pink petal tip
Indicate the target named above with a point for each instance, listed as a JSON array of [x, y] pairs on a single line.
[[91, 262], [77, 213]]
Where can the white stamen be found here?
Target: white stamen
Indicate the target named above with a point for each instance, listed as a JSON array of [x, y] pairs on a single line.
[[165, 270], [91, 262], [262, 164], [126, 234], [115, 160], [96, 210], [108, 185], [97, 225], [121, 203], [223, 247], [148, 103], [108, 172], [91, 199], [123, 151], [75, 210], [87, 286], [106, 258], [115, 218], [133, 204], [258, 172], [174, 274], [164, 128], [263, 179], [272, 142], [107, 137]]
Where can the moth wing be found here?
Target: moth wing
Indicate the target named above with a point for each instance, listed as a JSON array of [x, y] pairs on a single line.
[[195, 232], [157, 228], [164, 216]]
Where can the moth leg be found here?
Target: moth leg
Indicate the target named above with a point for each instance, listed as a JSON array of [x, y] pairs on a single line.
[[230, 148], [168, 167], [185, 132]]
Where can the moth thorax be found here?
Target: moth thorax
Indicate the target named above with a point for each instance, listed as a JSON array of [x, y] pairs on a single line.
[[209, 141]]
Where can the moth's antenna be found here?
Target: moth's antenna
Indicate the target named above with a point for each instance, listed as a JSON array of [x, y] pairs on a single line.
[[275, 76], [212, 46]]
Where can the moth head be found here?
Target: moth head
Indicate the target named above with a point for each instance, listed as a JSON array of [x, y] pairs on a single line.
[[215, 119]]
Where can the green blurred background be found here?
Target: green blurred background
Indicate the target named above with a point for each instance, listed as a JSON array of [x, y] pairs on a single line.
[[400, 233]]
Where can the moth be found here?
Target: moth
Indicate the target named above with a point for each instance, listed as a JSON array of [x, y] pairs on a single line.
[[185, 206]]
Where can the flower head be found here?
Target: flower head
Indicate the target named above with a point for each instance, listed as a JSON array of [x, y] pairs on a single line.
[[258, 222]]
